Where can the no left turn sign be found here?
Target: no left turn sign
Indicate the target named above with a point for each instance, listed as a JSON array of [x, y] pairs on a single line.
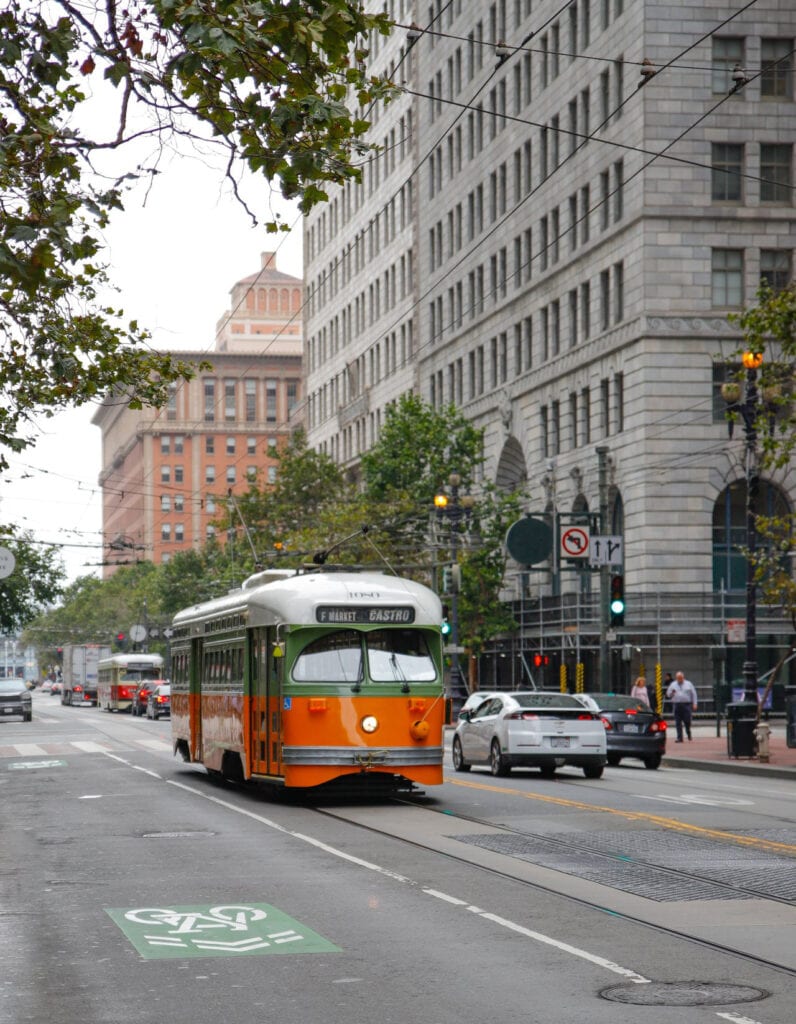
[[575, 542]]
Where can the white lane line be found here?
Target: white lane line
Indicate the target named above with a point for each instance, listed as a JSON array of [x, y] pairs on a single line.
[[129, 764], [563, 947], [90, 747], [736, 1018]]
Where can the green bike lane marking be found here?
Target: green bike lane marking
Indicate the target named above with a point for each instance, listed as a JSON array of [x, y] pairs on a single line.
[[252, 929]]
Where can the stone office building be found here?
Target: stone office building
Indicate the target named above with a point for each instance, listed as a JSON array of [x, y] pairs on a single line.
[[567, 205]]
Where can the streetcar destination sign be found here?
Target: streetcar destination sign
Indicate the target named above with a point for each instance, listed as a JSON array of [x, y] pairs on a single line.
[[342, 614]]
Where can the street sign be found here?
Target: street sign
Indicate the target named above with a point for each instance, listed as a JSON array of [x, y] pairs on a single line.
[[7, 562], [606, 550], [529, 540], [575, 542], [736, 631]]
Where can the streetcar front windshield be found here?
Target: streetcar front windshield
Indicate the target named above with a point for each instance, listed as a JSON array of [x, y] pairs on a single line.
[[333, 658], [135, 675], [399, 655]]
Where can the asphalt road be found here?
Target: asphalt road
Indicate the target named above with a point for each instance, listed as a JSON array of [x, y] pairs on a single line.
[[136, 890]]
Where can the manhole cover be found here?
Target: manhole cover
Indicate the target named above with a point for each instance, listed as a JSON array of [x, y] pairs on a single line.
[[177, 835], [682, 993]]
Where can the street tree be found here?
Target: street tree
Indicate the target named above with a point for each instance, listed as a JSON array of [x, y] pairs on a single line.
[[35, 581], [769, 329], [267, 86]]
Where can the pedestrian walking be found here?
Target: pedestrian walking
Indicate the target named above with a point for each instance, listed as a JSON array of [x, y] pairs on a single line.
[[639, 691], [682, 693]]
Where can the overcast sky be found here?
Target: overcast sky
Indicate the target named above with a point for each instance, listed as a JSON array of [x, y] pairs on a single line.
[[174, 255]]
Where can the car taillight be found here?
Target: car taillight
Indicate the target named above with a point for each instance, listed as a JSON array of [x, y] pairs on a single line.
[[607, 724], [658, 727], [631, 711], [86, 696], [524, 716], [585, 717], [162, 700], [77, 688]]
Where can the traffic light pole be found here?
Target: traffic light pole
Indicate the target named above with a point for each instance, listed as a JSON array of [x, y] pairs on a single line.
[[602, 484]]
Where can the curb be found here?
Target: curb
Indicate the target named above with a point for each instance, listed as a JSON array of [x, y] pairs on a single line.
[[770, 771]]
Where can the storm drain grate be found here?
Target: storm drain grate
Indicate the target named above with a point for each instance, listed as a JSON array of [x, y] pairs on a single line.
[[638, 879]]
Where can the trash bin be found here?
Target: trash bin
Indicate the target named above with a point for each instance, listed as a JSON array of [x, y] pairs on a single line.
[[741, 722], [790, 716]]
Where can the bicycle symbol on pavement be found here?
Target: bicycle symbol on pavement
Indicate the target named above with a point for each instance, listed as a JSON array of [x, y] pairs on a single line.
[[233, 930]]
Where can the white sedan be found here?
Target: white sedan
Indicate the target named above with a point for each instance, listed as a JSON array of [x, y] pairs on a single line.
[[534, 729]]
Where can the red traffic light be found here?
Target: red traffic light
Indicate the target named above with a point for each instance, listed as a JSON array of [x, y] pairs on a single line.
[[541, 659]]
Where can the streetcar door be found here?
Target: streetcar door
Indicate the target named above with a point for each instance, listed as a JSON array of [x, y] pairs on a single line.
[[264, 708], [195, 700]]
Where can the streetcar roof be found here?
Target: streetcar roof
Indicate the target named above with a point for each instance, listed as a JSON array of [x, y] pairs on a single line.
[[296, 599], [123, 660]]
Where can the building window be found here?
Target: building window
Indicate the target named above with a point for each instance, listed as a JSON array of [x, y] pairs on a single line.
[[619, 402], [210, 474], [585, 416], [776, 161], [179, 502], [251, 474], [727, 53], [619, 292], [726, 277], [165, 444], [776, 58], [585, 308], [210, 400], [270, 401], [726, 170], [573, 419], [178, 474], [165, 474], [544, 432], [292, 394], [229, 400], [165, 532], [272, 474], [605, 300], [171, 402], [165, 503], [775, 268], [605, 407], [179, 533], [179, 444], [230, 446], [210, 445], [230, 474], [210, 505], [251, 445], [250, 389]]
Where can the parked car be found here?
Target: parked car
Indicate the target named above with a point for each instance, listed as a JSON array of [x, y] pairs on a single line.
[[533, 729], [15, 699], [632, 728], [159, 701], [141, 695], [56, 687]]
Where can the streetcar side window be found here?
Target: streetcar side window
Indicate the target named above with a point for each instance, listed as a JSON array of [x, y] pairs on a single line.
[[333, 658], [399, 655]]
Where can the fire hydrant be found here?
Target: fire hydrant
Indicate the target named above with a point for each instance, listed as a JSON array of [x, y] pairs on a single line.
[[762, 733]]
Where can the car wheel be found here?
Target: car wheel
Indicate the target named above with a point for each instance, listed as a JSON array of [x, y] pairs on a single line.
[[593, 771], [497, 763], [547, 771], [652, 762], [459, 764], [28, 717], [614, 759]]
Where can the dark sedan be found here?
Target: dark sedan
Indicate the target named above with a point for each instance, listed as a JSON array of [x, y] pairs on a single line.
[[15, 699], [632, 729]]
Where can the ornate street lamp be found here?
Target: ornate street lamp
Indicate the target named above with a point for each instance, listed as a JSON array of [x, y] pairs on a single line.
[[749, 410], [454, 510]]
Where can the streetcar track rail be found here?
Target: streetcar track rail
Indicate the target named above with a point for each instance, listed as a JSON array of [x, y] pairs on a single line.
[[552, 890]]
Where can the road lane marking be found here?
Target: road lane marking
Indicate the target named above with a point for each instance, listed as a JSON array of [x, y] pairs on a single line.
[[30, 750], [656, 819], [564, 947], [90, 747], [737, 1018]]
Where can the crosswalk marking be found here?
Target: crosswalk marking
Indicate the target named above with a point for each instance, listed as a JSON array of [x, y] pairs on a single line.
[[80, 747]]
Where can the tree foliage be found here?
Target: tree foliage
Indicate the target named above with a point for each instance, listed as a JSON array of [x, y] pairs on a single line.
[[34, 582], [270, 85], [769, 328]]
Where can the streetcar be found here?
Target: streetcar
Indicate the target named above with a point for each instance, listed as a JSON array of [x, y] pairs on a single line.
[[308, 677], [119, 675]]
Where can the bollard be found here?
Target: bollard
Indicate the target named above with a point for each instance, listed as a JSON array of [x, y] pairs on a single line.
[[762, 732]]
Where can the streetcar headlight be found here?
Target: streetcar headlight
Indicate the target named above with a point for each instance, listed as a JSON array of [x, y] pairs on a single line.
[[370, 723]]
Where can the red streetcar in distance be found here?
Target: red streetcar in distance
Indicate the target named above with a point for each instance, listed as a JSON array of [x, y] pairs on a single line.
[[120, 675]]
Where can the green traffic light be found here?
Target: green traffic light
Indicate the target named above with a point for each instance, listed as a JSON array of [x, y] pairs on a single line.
[[617, 606], [445, 628]]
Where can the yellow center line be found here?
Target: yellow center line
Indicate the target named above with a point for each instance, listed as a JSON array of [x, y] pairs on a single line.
[[655, 819]]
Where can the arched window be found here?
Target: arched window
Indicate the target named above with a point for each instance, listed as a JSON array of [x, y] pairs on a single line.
[[729, 530]]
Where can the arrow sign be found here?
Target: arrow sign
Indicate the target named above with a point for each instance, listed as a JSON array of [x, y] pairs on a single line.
[[606, 551]]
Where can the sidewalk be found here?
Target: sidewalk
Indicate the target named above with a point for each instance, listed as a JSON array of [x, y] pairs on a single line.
[[709, 752]]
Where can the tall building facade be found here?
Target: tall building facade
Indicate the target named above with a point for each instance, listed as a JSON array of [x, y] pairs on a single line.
[[593, 189], [166, 472]]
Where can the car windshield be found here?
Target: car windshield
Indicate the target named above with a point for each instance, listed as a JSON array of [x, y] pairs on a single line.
[[11, 685], [615, 702], [545, 700], [393, 655]]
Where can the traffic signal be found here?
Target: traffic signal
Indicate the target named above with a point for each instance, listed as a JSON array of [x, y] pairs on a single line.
[[539, 660], [616, 602], [121, 641], [445, 626], [451, 579]]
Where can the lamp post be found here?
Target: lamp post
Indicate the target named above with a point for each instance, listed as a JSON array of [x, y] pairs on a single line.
[[748, 409], [454, 510]]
